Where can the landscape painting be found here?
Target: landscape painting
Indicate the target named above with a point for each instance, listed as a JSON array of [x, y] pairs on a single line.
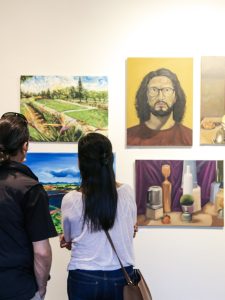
[[59, 174], [63, 108], [180, 193], [212, 127]]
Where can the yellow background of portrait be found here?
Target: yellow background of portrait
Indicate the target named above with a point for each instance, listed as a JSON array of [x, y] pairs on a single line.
[[137, 68]]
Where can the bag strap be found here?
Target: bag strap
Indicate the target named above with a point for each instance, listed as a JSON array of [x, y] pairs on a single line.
[[127, 277]]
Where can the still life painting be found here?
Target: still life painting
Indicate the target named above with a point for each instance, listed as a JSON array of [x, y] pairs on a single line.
[[63, 108], [180, 193], [212, 127], [59, 174], [159, 101]]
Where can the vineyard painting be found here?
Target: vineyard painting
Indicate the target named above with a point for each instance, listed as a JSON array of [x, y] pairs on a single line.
[[64, 108], [59, 174]]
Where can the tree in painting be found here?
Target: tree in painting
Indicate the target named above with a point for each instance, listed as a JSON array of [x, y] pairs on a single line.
[[62, 109]]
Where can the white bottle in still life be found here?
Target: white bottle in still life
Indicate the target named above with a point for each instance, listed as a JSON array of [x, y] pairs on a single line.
[[214, 189], [197, 198], [188, 182], [215, 185], [196, 192], [193, 171]]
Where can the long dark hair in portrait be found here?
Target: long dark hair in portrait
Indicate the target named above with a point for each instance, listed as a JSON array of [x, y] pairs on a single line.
[[141, 104], [13, 134], [98, 183]]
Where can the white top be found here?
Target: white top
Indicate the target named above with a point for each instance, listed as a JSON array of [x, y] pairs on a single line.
[[92, 251]]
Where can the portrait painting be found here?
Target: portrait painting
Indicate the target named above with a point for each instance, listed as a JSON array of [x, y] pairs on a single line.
[[185, 193], [64, 108], [59, 174], [212, 127], [159, 95]]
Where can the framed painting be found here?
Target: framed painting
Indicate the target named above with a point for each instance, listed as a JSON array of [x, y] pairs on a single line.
[[159, 101], [212, 127], [63, 108], [59, 174], [180, 193]]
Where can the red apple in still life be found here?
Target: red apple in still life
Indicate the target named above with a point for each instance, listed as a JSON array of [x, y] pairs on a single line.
[[166, 219]]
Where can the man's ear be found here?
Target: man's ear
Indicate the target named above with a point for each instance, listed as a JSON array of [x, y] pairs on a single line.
[[25, 147]]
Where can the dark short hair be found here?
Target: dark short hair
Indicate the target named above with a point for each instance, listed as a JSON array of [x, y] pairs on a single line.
[[14, 133], [142, 106]]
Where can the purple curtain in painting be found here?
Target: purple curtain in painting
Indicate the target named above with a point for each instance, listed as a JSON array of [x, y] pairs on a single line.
[[148, 173]]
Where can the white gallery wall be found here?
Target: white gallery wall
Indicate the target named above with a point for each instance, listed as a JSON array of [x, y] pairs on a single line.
[[95, 37]]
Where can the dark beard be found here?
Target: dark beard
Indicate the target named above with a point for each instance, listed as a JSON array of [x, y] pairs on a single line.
[[161, 113]]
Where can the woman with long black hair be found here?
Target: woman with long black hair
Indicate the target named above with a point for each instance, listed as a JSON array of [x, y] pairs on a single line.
[[100, 205]]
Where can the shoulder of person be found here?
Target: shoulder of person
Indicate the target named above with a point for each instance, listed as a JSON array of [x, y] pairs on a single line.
[[184, 128], [134, 129], [126, 189], [70, 199], [120, 185]]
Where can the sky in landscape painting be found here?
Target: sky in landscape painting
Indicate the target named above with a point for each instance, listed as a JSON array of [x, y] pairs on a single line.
[[54, 167], [36, 84]]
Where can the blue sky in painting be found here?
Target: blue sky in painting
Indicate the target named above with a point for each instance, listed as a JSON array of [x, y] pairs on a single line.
[[54, 167], [36, 84]]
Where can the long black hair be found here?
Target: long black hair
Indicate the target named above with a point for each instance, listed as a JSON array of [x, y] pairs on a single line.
[[141, 104], [13, 134], [98, 183]]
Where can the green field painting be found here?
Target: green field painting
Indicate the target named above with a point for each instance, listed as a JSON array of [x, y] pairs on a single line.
[[64, 108]]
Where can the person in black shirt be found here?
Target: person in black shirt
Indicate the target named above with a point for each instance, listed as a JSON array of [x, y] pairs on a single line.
[[25, 221]]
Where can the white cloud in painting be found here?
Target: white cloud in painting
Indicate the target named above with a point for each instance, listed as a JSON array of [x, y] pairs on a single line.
[[62, 175]]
